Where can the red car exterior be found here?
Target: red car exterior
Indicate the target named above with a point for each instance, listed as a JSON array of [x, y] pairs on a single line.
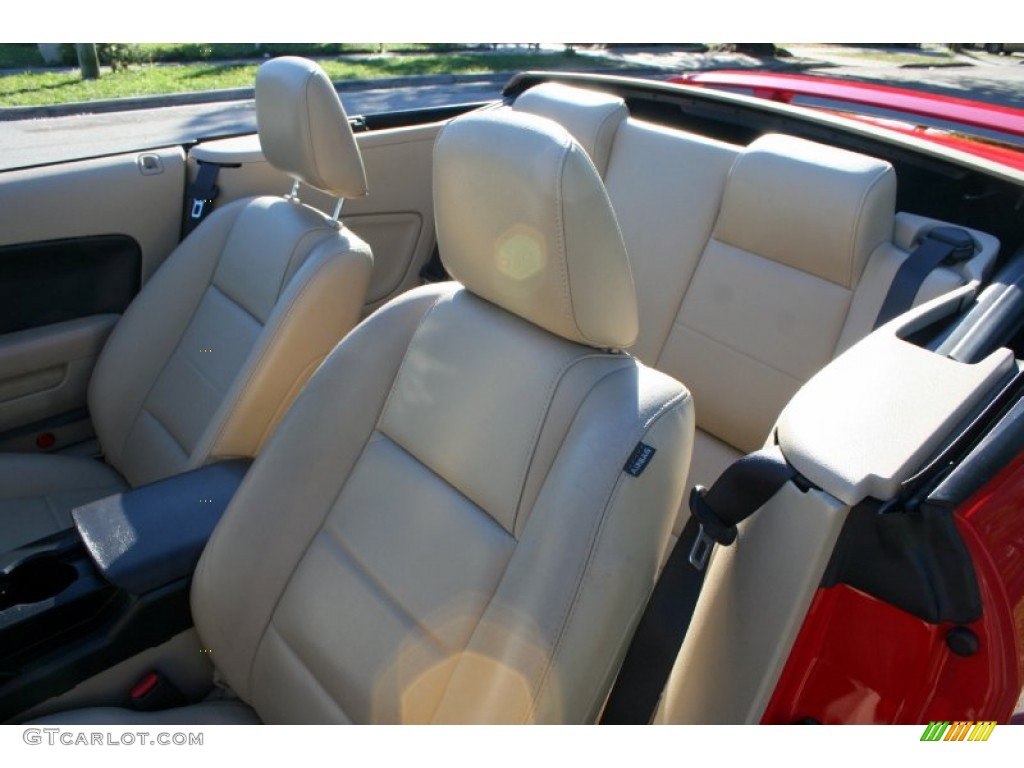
[[987, 131], [911, 676], [917, 671]]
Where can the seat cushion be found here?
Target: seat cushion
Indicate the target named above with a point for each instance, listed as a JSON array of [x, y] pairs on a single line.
[[38, 492], [205, 713]]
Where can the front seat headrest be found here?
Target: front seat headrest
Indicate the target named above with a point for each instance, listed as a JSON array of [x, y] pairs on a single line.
[[303, 128], [524, 221]]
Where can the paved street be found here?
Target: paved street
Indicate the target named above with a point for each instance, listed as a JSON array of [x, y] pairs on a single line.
[[30, 142], [978, 75], [974, 74], [983, 76]]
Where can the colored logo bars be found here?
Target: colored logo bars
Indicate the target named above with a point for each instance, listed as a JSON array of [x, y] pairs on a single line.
[[958, 731]]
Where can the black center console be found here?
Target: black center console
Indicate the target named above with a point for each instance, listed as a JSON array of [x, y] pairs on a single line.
[[82, 600]]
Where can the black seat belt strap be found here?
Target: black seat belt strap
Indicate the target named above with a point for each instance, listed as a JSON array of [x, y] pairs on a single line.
[[939, 245], [200, 196], [741, 490], [433, 271]]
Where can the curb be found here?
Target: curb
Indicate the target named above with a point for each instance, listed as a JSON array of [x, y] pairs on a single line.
[[247, 94], [937, 65]]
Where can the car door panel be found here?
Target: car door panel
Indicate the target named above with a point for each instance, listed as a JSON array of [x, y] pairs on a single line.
[[77, 240], [397, 237], [44, 373], [399, 170], [136, 194], [58, 280]]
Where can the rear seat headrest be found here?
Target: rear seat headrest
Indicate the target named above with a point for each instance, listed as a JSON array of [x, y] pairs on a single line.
[[523, 220], [303, 128], [590, 116], [813, 207]]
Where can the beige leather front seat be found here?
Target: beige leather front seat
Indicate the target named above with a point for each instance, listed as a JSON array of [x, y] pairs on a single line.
[[217, 344], [461, 517]]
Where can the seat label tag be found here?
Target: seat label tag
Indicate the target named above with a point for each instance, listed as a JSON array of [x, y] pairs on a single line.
[[639, 459]]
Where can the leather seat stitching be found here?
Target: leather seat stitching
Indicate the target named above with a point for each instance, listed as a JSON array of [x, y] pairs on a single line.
[[865, 195], [542, 421], [597, 530], [375, 584], [746, 355], [254, 366], [374, 434], [213, 269], [234, 302], [305, 668]]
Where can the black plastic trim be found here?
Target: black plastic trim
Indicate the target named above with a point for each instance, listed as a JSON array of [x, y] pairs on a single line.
[[152, 535], [915, 561], [433, 271], [61, 619], [101, 628], [996, 316], [56, 280], [997, 449], [404, 118]]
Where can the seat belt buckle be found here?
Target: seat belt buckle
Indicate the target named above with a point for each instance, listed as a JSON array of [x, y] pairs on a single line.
[[154, 692], [197, 208], [701, 550], [713, 530]]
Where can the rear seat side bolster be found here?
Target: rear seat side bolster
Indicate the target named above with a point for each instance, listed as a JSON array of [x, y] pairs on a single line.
[[887, 259]]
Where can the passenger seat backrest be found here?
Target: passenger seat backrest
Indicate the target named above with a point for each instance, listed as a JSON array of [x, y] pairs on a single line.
[[217, 344], [463, 543]]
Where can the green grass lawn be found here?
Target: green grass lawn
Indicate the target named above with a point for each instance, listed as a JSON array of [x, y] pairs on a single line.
[[26, 55], [192, 52], [37, 88]]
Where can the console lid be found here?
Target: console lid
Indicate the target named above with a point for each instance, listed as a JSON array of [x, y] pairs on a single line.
[[152, 535]]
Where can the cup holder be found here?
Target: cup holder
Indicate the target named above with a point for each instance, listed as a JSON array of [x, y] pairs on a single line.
[[34, 581]]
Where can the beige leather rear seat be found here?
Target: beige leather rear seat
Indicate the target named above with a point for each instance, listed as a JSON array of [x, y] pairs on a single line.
[[754, 266]]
